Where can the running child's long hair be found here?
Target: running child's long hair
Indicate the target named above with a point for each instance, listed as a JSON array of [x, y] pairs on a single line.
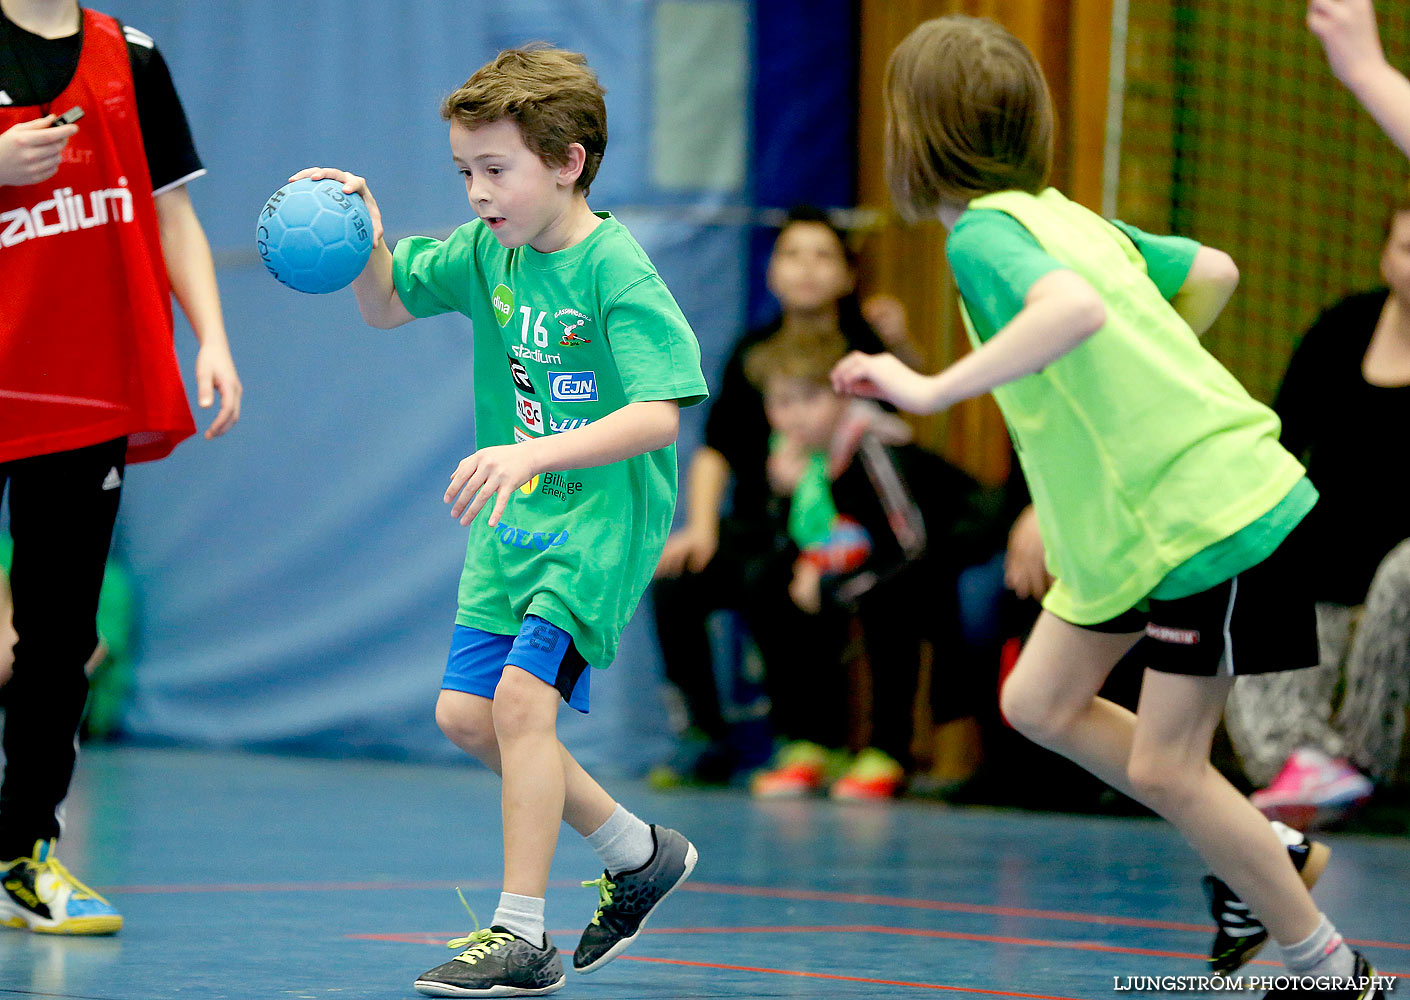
[[967, 113]]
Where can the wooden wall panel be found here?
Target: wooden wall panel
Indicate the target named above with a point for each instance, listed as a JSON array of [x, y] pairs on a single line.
[[1070, 39]]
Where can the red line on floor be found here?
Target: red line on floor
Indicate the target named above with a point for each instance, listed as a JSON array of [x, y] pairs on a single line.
[[826, 896], [120, 890], [715, 888], [420, 938], [426, 937], [845, 979], [904, 902]]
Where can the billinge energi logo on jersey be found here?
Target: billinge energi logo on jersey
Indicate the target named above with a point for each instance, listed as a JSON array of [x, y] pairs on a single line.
[[573, 387]]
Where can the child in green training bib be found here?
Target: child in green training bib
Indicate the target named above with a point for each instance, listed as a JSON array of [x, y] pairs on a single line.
[[1167, 507], [582, 362]]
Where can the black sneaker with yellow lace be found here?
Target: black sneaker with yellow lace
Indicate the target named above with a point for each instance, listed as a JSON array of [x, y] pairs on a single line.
[[627, 899], [496, 963]]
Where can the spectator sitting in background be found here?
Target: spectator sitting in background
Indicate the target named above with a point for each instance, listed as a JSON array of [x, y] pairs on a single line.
[[877, 529], [717, 558], [1343, 401]]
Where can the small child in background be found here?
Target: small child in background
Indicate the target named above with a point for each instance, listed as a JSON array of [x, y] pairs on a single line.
[[878, 530]]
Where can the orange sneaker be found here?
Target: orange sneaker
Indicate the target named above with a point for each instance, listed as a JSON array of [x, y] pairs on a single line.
[[798, 769], [873, 775]]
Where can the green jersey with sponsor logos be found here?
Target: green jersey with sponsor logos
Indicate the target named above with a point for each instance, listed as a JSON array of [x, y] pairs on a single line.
[[561, 340]]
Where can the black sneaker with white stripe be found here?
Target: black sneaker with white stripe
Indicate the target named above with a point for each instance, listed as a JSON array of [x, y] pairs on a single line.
[[1239, 934]]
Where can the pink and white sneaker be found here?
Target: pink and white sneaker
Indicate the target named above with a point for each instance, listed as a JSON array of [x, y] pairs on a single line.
[[1313, 790]]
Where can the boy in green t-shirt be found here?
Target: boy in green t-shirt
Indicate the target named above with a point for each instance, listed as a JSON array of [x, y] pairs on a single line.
[[1168, 508], [582, 361]]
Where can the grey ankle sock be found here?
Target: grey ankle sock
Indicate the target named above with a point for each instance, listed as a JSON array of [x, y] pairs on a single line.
[[624, 843], [1323, 953], [522, 915]]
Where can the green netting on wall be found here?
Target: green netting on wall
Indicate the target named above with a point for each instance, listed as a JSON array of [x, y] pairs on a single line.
[[1234, 132]]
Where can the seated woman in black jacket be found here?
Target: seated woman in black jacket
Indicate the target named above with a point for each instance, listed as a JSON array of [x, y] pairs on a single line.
[[716, 559]]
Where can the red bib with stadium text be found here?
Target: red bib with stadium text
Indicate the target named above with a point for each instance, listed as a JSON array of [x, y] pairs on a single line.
[[86, 350]]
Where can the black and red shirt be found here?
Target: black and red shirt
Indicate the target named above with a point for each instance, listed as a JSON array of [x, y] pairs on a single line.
[[86, 350], [35, 70]]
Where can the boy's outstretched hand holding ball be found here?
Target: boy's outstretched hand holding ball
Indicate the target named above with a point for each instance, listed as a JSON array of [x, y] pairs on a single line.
[[316, 233]]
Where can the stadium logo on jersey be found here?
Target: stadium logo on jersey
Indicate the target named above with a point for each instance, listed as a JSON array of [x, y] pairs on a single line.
[[573, 387], [66, 212], [530, 412], [521, 376], [502, 299], [572, 323], [534, 354], [567, 424]]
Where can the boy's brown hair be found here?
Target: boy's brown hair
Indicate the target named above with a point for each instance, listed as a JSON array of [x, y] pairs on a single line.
[[805, 355], [967, 112], [551, 94]]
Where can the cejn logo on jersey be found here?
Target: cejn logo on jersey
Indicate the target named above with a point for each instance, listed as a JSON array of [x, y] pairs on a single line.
[[66, 212], [573, 387], [530, 412]]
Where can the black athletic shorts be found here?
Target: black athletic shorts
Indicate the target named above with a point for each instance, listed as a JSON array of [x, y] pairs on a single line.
[[1262, 620]]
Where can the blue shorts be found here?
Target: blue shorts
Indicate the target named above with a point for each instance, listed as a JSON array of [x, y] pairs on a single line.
[[477, 660]]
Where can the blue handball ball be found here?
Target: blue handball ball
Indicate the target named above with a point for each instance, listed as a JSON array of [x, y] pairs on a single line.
[[313, 236]]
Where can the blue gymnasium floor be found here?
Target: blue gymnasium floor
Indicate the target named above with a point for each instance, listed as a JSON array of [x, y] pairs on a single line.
[[245, 876]]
